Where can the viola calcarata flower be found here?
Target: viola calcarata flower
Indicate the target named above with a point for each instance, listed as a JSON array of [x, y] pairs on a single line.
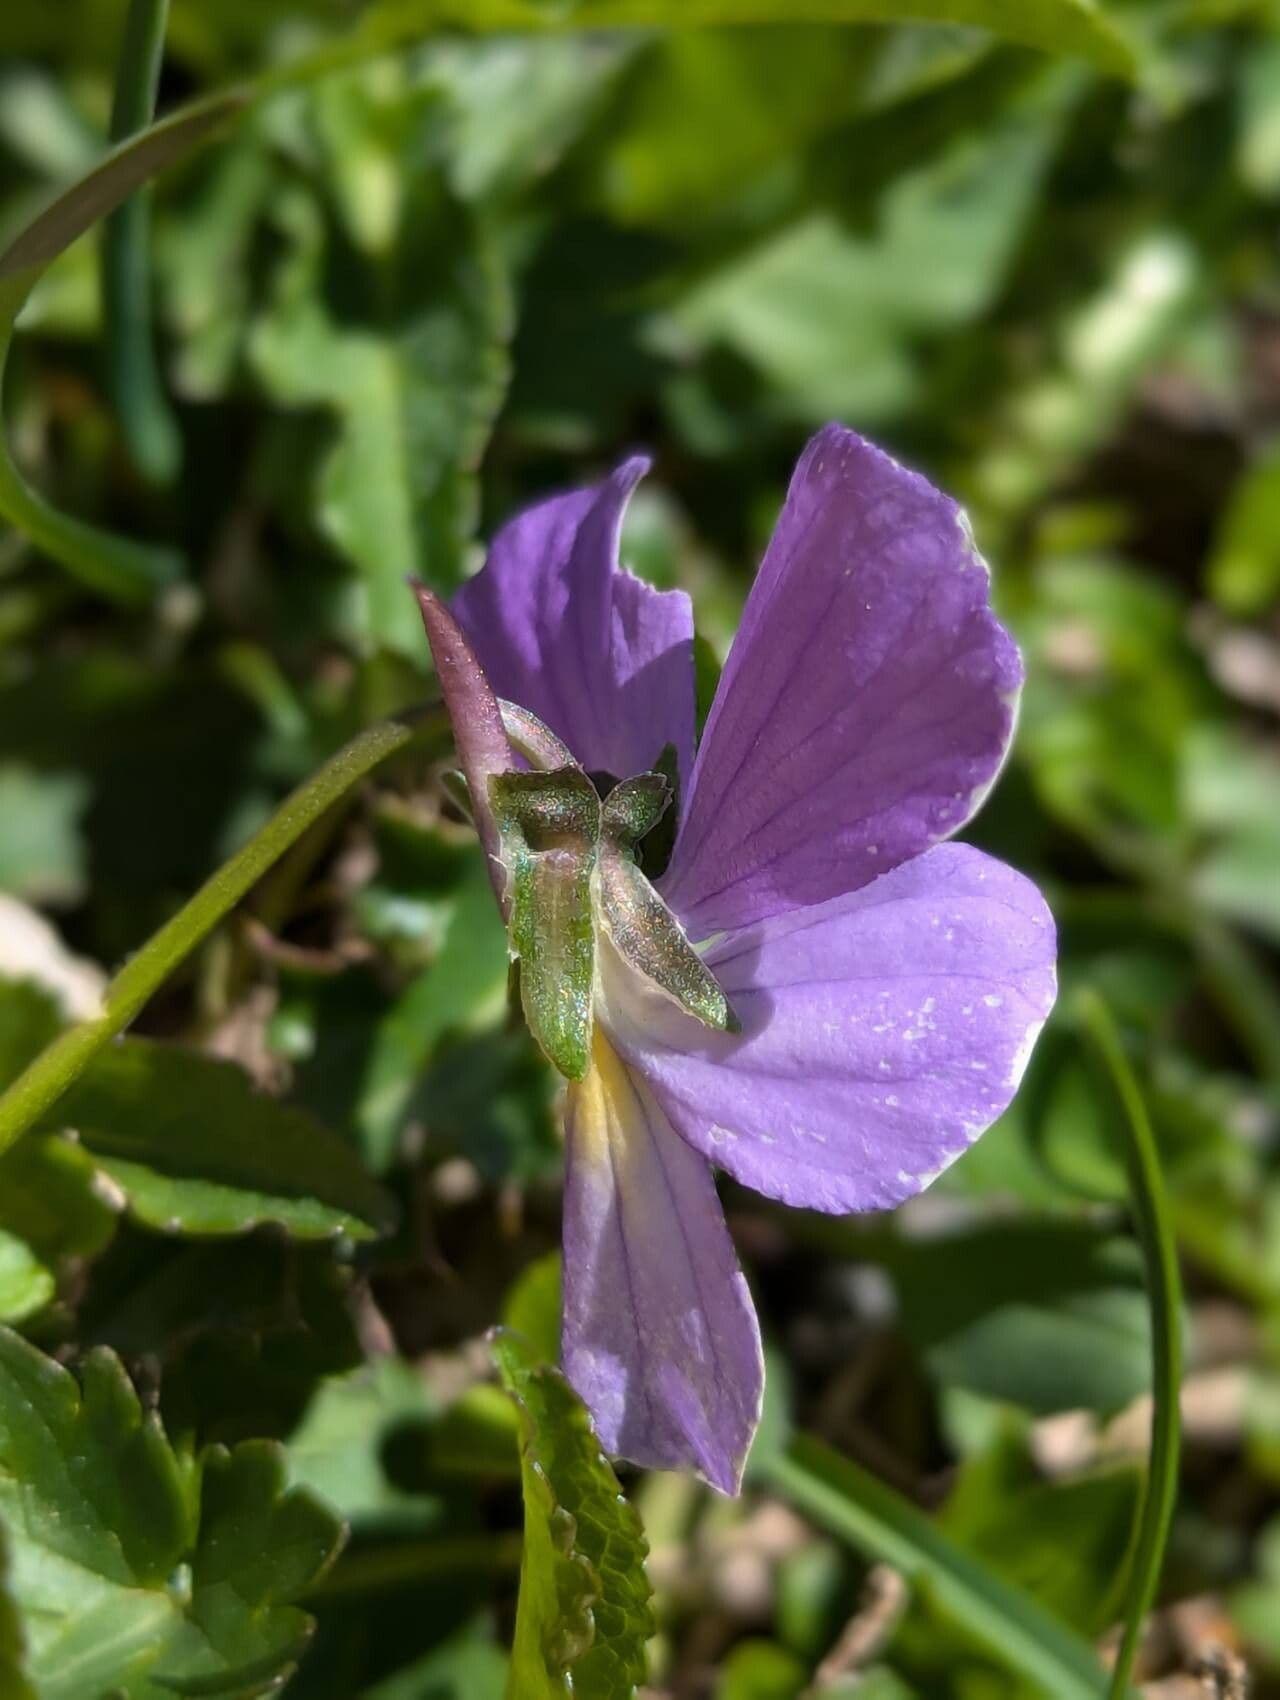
[[759, 953]]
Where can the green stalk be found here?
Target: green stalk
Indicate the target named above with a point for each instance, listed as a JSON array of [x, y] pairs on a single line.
[[39, 1087], [124, 571], [133, 378], [117, 568], [1164, 1293]]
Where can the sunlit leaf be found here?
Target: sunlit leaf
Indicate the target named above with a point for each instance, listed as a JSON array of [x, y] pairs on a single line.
[[139, 1572], [195, 1149], [1045, 1313], [13, 1649], [584, 1616]]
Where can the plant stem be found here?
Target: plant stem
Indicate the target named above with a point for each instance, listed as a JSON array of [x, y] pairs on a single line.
[[122, 570], [1164, 1292], [132, 375], [39, 1087]]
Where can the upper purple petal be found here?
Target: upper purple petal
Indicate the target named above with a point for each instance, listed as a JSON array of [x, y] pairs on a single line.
[[560, 628], [659, 1336], [866, 704], [881, 1032]]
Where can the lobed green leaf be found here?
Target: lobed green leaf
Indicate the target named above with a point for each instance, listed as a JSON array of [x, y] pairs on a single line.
[[140, 1572], [583, 1617]]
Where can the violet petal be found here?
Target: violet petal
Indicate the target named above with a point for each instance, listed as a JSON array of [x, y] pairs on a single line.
[[560, 628], [866, 705], [660, 1336], [881, 1032]]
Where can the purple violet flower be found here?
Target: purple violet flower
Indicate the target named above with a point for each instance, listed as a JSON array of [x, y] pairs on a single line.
[[863, 997]]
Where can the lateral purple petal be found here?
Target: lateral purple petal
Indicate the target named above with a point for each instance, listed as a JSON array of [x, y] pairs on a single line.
[[659, 1335], [560, 628], [866, 705], [881, 1033]]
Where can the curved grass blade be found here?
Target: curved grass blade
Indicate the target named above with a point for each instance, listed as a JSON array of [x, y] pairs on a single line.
[[1164, 1289], [847, 1500], [1076, 28], [110, 182], [44, 1081], [133, 376], [131, 572], [115, 566]]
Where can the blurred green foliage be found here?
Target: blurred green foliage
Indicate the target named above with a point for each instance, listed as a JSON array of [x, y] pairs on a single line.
[[389, 305]]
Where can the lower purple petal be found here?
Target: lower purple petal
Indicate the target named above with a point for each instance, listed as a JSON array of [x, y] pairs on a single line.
[[881, 1032], [660, 1336]]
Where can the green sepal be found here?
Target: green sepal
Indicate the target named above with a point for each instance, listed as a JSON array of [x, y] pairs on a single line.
[[550, 829], [648, 936], [634, 807]]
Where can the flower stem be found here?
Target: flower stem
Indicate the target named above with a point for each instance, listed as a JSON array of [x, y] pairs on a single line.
[[1164, 1294], [132, 375], [40, 1086], [114, 566]]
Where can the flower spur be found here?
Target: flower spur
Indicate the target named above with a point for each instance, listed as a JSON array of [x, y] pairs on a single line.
[[860, 998]]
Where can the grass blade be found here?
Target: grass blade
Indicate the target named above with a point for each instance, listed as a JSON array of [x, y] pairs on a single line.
[[133, 376], [40, 1085], [847, 1500], [1164, 1291]]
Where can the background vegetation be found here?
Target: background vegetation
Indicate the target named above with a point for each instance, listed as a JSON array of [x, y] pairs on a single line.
[[388, 305]]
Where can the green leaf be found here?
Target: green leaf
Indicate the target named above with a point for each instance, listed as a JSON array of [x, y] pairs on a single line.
[[13, 1642], [25, 1283], [196, 1149], [41, 853], [115, 566], [1058, 26], [139, 1573], [583, 1617], [464, 1668], [50, 1208], [709, 110], [1231, 792], [831, 317], [44, 1081], [464, 985], [337, 1449], [414, 390], [242, 1332], [1048, 1314], [1060, 1540], [842, 1497], [532, 1308], [760, 1670], [1243, 570]]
